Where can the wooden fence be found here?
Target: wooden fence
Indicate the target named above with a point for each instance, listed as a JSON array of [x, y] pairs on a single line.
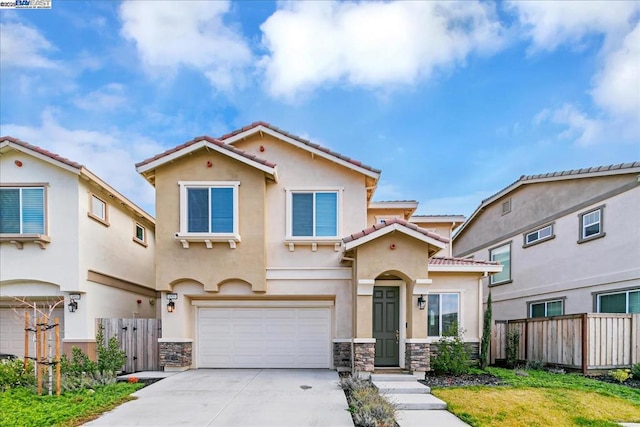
[[139, 340], [578, 341]]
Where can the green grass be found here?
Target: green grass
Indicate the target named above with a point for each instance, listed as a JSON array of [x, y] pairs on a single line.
[[543, 399], [21, 407]]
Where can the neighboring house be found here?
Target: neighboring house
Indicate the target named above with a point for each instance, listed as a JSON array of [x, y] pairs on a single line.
[[569, 243], [66, 233], [270, 253]]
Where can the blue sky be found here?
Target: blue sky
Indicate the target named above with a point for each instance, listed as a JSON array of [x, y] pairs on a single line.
[[453, 101]]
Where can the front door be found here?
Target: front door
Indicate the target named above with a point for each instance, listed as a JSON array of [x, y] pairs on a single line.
[[386, 319]]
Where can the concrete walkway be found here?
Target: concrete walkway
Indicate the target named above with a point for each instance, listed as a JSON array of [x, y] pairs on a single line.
[[236, 397], [416, 406]]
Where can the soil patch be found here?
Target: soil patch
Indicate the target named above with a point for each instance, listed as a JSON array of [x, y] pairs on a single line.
[[464, 380]]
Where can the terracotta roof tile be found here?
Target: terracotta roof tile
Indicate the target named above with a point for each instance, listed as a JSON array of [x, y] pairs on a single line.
[[42, 151], [387, 223], [299, 139], [214, 141], [459, 261]]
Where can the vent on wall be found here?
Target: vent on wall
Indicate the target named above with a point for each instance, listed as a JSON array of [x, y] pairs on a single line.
[[506, 206]]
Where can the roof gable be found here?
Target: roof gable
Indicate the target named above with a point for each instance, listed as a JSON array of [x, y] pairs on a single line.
[[378, 230], [463, 265], [266, 128], [148, 166]]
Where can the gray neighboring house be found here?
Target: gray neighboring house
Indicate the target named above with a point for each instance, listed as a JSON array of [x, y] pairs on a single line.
[[569, 242]]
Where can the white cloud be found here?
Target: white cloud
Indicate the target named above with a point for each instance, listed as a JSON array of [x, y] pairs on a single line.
[[371, 44], [110, 155], [579, 127], [192, 34], [108, 97], [551, 24], [24, 46]]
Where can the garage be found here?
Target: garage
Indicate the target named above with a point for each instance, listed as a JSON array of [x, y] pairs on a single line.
[[264, 337], [12, 331]]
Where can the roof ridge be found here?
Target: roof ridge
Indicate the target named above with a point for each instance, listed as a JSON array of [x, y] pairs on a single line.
[[389, 222], [42, 151]]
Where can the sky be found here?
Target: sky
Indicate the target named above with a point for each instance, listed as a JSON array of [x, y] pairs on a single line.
[[452, 101]]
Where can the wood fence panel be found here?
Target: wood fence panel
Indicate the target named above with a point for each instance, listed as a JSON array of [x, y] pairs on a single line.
[[138, 338], [498, 338], [635, 339], [611, 338]]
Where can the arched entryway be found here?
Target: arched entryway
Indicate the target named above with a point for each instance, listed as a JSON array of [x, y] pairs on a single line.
[[389, 322]]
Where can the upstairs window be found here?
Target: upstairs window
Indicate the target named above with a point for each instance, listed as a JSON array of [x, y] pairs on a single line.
[[442, 314], [591, 224], [139, 234], [209, 208], [22, 210], [539, 235], [501, 254], [619, 302], [314, 214]]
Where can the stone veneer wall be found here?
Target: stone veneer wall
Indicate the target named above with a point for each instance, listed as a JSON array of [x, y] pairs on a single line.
[[342, 356], [365, 354], [472, 347], [417, 357], [175, 354]]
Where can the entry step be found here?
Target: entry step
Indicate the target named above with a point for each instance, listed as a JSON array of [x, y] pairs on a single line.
[[401, 387], [394, 377], [416, 402]]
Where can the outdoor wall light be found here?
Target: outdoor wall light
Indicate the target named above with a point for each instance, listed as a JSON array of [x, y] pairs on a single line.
[[73, 302], [171, 305], [422, 303]]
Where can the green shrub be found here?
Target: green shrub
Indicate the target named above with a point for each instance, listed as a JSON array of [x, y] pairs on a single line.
[[86, 381], [110, 357], [452, 356], [367, 407], [513, 343], [79, 363], [635, 370], [536, 365], [486, 335], [13, 374], [620, 375]]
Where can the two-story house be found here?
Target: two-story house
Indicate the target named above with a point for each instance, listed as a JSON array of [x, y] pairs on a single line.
[[69, 240], [271, 253], [569, 242]]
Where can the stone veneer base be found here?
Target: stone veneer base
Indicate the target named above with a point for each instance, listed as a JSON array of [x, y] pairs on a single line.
[[365, 354], [417, 357], [176, 355]]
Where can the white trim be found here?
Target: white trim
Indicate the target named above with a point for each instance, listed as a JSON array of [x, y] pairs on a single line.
[[364, 340], [417, 340], [308, 240], [421, 286], [175, 340], [365, 287], [185, 235], [47, 159], [263, 303], [460, 293], [342, 340], [263, 129], [394, 227], [487, 268]]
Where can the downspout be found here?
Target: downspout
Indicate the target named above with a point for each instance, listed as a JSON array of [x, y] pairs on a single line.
[[354, 309]]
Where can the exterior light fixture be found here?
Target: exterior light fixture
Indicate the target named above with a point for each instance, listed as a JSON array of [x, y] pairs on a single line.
[[422, 303], [73, 302], [171, 305]]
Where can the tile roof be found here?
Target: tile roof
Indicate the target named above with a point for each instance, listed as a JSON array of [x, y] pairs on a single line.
[[387, 223], [214, 141], [42, 151], [395, 201], [459, 261], [299, 139], [436, 216]]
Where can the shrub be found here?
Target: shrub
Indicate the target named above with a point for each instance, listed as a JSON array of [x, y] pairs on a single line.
[[86, 381], [452, 356], [635, 370], [367, 407], [13, 374], [513, 343], [536, 365], [621, 375], [486, 335], [110, 358], [79, 363]]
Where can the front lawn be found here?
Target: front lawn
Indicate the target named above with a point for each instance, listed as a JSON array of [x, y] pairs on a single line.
[[539, 398], [21, 407]]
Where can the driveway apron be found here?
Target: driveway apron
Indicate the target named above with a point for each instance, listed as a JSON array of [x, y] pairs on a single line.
[[237, 397]]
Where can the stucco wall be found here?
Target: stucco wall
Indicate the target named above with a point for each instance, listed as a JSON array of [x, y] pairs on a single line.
[[468, 285]]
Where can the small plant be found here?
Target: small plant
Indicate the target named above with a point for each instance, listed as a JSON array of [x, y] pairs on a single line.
[[367, 407], [79, 363], [13, 374], [635, 370], [132, 380], [513, 343], [621, 375], [486, 335], [452, 356], [536, 365], [110, 357]]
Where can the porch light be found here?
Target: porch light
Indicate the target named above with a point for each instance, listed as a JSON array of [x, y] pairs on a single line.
[[171, 305], [422, 303], [73, 302]]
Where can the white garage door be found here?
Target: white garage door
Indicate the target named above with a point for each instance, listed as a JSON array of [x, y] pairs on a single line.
[[264, 337], [12, 331]]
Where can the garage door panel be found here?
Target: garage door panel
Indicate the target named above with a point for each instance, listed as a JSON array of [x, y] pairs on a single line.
[[264, 337], [12, 330]]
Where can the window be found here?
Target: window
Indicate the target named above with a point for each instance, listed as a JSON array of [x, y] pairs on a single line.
[[314, 214], [591, 225], [539, 235], [546, 308], [506, 206], [501, 254], [22, 210], [442, 314], [98, 209], [619, 302], [209, 208], [140, 234]]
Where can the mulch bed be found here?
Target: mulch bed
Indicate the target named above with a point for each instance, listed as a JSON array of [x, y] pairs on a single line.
[[441, 380], [631, 382]]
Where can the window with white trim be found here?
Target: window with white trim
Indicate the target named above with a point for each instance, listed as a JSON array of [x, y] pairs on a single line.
[[209, 208], [140, 234], [22, 210], [501, 254], [539, 235], [591, 224], [443, 314], [546, 308], [98, 208], [619, 302], [314, 214]]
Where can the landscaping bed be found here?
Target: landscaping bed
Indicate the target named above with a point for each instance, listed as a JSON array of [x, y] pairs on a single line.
[[463, 380]]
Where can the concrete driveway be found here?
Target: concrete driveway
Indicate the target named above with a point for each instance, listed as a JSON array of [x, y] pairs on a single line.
[[237, 397]]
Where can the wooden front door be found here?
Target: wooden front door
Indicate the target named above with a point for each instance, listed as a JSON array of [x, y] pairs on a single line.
[[386, 320]]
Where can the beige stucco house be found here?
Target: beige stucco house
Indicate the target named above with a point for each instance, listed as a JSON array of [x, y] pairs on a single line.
[[569, 242], [271, 253], [68, 238]]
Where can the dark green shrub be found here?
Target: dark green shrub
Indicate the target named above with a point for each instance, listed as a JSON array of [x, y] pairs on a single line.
[[13, 374], [453, 356], [110, 357], [635, 371], [535, 365], [79, 363], [486, 335], [513, 343]]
